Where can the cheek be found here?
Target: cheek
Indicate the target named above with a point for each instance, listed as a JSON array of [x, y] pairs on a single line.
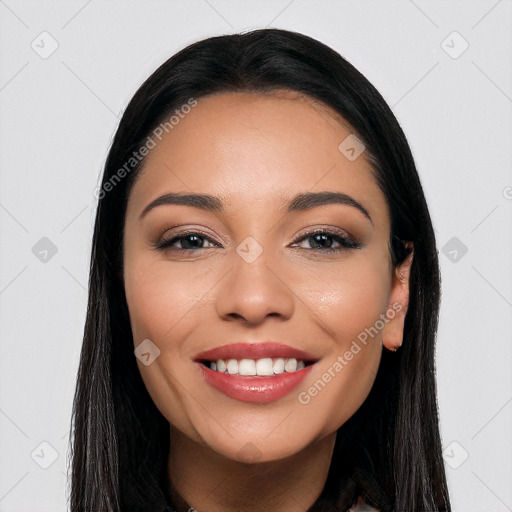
[[352, 312], [163, 308], [348, 304], [161, 297], [350, 298]]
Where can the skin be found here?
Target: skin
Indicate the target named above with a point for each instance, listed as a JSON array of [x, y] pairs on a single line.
[[256, 152]]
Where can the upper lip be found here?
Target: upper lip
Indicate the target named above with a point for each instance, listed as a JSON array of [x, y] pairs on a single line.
[[259, 350]]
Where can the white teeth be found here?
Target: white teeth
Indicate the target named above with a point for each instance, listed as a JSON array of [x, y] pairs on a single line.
[[247, 367], [232, 366], [263, 367], [278, 366], [291, 365]]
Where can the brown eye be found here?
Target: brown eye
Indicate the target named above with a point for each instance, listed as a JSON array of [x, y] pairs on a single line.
[[191, 241], [323, 240]]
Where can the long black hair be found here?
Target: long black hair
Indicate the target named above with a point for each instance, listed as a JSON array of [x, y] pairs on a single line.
[[120, 440]]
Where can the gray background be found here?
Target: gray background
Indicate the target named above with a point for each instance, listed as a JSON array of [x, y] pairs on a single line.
[[59, 111]]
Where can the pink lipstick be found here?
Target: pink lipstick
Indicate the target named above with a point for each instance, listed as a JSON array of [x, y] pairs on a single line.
[[254, 372]]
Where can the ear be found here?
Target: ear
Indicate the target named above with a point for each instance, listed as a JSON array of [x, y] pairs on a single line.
[[393, 331]]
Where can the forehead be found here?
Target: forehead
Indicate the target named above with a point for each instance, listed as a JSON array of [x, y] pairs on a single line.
[[263, 149]]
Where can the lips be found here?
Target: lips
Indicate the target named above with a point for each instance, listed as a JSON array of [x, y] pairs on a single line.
[[255, 389]]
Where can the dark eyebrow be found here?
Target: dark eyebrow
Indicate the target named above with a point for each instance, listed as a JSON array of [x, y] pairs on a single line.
[[202, 201], [310, 200], [300, 202]]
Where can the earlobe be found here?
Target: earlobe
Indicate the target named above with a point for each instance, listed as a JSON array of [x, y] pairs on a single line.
[[393, 331]]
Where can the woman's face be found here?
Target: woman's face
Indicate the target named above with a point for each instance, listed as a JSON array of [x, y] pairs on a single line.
[[250, 267]]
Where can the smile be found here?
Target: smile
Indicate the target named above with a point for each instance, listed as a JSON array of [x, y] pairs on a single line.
[[251, 367], [231, 370]]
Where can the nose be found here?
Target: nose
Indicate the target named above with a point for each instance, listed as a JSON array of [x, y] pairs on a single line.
[[254, 291]]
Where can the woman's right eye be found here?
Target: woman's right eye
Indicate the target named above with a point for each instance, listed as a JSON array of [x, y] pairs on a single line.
[[191, 241]]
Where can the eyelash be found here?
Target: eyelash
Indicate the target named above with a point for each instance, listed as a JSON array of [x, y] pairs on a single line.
[[344, 241]]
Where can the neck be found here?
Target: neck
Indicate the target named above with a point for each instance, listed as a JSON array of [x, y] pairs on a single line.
[[208, 481]]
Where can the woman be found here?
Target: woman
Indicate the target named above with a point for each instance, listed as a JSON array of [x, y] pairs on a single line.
[[264, 295]]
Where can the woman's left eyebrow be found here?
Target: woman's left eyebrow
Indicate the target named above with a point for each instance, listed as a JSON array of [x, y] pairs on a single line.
[[301, 202], [309, 200]]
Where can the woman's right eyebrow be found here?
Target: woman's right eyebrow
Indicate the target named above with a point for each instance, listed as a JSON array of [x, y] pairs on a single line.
[[195, 200], [301, 202]]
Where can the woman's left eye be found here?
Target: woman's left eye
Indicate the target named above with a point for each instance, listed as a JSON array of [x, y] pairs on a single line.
[[321, 239]]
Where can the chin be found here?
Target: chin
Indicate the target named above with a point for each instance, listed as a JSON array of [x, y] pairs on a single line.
[[261, 448]]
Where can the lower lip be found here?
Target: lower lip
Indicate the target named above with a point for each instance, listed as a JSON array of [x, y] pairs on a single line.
[[255, 389]]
